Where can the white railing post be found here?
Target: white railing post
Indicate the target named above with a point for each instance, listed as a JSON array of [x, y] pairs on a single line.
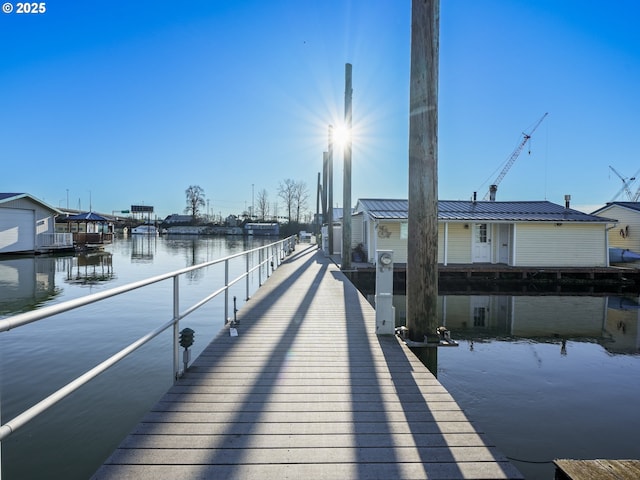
[[260, 265], [247, 272], [226, 290], [176, 327]]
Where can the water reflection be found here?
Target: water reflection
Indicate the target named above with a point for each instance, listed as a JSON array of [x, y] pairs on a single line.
[[612, 321], [26, 283], [143, 248], [89, 268]]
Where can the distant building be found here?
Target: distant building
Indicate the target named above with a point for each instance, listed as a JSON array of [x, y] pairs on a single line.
[[176, 219], [262, 229]]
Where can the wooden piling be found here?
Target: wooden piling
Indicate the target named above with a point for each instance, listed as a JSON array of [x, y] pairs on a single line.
[[346, 181], [330, 189], [422, 265]]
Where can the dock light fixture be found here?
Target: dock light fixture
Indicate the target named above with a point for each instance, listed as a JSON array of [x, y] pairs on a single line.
[[186, 340]]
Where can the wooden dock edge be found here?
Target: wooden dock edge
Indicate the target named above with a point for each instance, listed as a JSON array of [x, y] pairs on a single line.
[[598, 469]]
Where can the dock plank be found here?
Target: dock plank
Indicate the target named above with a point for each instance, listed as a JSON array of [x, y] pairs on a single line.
[[306, 390]]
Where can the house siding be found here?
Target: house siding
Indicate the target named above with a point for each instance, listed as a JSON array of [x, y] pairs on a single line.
[[459, 244], [31, 239], [565, 245], [356, 231], [626, 218], [41, 213], [388, 238]]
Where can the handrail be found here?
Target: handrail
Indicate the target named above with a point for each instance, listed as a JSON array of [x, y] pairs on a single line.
[[275, 253]]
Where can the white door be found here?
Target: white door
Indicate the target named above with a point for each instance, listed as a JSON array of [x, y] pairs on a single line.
[[481, 243], [17, 230], [503, 248]]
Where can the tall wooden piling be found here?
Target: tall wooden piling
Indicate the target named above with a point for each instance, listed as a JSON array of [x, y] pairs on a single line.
[[346, 181], [330, 189], [325, 167], [422, 264], [318, 195]]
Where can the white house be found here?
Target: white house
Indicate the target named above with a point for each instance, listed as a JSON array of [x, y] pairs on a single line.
[[528, 233], [28, 225]]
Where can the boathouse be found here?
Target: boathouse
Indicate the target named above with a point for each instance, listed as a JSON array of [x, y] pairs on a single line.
[[262, 229], [626, 232], [523, 233], [27, 225]]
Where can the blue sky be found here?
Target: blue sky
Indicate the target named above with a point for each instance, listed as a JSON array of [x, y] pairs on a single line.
[[122, 103]]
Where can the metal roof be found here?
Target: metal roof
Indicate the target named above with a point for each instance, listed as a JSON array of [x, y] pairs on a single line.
[[630, 205], [9, 197], [469, 211]]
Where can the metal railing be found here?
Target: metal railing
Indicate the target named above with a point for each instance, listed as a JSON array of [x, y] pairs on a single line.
[[54, 240], [270, 256]]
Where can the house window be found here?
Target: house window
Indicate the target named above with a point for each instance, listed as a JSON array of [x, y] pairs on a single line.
[[404, 230], [481, 233]]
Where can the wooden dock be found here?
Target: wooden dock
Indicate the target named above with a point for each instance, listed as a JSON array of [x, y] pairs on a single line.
[[597, 469], [306, 391]]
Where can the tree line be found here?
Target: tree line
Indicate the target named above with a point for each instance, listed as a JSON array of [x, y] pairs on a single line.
[[294, 194]]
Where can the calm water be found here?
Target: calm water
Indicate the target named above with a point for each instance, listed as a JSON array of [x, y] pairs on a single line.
[[546, 377]]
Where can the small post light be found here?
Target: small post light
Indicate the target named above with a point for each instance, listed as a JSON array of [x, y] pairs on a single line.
[[186, 340]]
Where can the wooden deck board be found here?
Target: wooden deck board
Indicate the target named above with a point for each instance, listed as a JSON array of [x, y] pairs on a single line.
[[306, 390], [598, 469]]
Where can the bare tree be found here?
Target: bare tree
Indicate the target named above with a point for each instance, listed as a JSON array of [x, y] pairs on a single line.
[[301, 197], [287, 192], [262, 206], [195, 201]]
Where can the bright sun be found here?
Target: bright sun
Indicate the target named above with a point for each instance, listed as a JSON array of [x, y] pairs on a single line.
[[341, 135]]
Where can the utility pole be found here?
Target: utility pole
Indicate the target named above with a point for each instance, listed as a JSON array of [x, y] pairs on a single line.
[[330, 190], [346, 181], [422, 264]]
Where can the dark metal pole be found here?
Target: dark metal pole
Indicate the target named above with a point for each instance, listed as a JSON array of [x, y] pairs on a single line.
[[422, 265], [346, 181]]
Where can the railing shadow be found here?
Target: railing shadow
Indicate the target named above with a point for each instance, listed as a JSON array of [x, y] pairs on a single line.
[[247, 412]]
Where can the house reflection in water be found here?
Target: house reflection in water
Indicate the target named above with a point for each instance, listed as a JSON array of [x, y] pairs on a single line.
[[611, 321], [143, 248], [89, 269], [26, 283]]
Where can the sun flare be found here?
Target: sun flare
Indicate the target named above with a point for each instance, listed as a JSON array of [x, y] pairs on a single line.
[[341, 135]]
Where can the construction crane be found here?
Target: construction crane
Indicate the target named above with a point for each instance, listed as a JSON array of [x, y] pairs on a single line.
[[493, 188], [626, 186]]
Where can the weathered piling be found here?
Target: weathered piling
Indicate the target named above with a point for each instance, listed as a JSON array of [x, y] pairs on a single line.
[[346, 181], [422, 267]]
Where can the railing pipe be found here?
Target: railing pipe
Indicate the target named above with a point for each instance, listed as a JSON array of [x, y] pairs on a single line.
[[29, 317], [29, 414]]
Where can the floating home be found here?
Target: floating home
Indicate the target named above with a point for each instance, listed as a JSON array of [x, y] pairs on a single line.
[[517, 234], [262, 229], [27, 225], [626, 232]]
